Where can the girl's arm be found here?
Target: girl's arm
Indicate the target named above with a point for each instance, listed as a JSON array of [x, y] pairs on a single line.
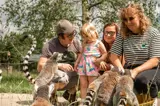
[[103, 51]]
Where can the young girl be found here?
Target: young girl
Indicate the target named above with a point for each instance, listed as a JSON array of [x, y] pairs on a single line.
[[93, 51]]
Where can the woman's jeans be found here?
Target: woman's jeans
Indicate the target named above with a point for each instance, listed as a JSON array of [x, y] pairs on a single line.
[[148, 82]]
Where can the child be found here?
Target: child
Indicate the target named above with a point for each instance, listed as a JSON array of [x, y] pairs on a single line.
[[93, 51]]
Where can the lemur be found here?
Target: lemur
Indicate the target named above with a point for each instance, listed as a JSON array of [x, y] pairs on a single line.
[[49, 73], [50, 69], [124, 95], [42, 98], [0, 75], [104, 91]]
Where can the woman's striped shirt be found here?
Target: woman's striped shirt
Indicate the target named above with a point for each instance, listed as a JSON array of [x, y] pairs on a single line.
[[138, 49]]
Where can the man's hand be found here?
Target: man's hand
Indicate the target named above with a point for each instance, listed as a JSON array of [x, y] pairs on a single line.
[[75, 66], [65, 67]]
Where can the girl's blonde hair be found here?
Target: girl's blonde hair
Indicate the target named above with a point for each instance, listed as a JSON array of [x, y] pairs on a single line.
[[138, 10], [89, 31]]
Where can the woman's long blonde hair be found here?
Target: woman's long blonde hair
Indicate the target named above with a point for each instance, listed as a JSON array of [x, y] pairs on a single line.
[[144, 21]]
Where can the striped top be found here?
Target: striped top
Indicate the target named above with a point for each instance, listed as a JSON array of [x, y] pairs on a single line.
[[138, 49]]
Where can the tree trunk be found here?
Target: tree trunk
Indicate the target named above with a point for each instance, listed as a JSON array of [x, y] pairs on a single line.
[[85, 12]]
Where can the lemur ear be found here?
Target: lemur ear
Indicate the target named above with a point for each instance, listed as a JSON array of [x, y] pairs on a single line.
[[54, 56]]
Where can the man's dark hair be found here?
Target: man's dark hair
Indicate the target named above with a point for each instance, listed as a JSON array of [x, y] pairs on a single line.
[[61, 35]]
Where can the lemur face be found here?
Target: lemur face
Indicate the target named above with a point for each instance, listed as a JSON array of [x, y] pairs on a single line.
[[64, 57], [69, 56]]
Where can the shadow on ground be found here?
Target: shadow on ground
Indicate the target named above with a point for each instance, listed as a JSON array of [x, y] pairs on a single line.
[[25, 102]]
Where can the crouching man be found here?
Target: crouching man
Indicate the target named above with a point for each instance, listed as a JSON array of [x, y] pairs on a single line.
[[65, 41]]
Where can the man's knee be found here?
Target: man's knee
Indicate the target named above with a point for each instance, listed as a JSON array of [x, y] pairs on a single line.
[[59, 86]]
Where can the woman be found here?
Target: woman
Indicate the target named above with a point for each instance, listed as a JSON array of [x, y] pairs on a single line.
[[110, 32], [140, 43]]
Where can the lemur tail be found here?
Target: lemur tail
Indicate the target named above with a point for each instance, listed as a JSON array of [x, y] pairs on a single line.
[[123, 99], [89, 98], [0, 75], [26, 58]]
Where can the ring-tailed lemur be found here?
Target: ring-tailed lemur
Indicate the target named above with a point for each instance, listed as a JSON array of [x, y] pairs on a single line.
[[50, 73], [103, 91], [124, 95], [102, 88], [50, 69], [0, 75], [26, 58], [42, 98]]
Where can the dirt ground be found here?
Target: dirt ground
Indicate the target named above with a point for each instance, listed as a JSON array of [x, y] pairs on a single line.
[[10, 99]]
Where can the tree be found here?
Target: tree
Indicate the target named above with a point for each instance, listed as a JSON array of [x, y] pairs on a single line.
[[106, 11], [37, 17]]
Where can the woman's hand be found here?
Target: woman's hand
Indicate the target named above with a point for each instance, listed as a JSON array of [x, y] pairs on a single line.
[[96, 61], [133, 73], [65, 67]]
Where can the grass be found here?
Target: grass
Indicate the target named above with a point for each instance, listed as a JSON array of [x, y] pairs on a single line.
[[15, 83]]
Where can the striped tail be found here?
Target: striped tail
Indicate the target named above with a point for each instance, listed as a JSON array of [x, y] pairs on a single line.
[[123, 100], [89, 98], [25, 61], [0, 75]]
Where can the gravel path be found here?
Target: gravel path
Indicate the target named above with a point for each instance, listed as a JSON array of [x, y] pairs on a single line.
[[11, 99]]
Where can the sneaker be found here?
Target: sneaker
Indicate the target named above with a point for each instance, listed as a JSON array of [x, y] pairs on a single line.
[[54, 99], [155, 103], [154, 90]]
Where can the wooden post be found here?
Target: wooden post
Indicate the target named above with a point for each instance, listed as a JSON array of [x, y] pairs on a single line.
[[10, 69]]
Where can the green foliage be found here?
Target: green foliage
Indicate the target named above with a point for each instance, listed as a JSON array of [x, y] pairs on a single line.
[[149, 10], [18, 48], [37, 17], [106, 11]]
